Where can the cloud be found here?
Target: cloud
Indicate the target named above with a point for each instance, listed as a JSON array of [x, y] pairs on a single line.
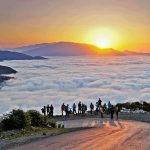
[[73, 79]]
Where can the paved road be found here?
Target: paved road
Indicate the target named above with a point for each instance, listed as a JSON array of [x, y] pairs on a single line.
[[126, 135]]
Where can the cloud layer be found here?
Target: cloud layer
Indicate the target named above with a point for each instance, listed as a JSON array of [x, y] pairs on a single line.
[[73, 79]]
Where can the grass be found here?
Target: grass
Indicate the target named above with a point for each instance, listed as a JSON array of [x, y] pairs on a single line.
[[29, 132]]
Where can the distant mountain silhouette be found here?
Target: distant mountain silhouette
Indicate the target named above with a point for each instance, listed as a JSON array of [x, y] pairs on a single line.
[[127, 52], [65, 49], [8, 55], [71, 49], [6, 70]]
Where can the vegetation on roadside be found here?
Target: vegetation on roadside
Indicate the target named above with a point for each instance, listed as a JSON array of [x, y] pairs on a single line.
[[135, 106], [18, 123], [25, 132]]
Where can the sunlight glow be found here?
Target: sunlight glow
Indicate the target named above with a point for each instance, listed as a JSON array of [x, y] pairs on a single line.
[[102, 43], [103, 38]]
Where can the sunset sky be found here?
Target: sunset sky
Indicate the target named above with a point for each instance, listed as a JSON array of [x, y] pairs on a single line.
[[120, 24]]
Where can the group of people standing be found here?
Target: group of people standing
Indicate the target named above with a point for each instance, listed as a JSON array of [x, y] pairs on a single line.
[[82, 108], [105, 108], [99, 109], [108, 109], [48, 110]]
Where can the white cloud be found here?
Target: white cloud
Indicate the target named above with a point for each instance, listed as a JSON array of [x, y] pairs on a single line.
[[69, 79]]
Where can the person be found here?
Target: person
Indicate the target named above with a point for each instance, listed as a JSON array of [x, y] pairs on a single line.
[[97, 108], [99, 102], [117, 112], [109, 107], [101, 111], [62, 108], [105, 108], [91, 107], [43, 111], [48, 109], [83, 109], [51, 110], [112, 112], [74, 109], [79, 107], [67, 110]]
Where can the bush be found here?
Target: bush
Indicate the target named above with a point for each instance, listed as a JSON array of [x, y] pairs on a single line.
[[52, 124], [59, 125], [1, 126], [37, 119], [17, 119]]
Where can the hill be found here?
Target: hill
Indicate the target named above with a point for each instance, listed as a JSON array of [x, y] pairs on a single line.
[[8, 55], [71, 49], [6, 70], [65, 49]]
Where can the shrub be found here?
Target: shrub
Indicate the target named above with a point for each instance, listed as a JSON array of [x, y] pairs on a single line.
[[52, 124], [59, 125], [37, 119], [1, 126], [17, 119]]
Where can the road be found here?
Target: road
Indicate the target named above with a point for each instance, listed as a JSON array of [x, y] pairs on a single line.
[[124, 135]]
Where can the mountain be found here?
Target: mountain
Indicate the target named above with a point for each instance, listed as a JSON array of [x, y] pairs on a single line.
[[6, 70], [65, 49], [71, 49], [8, 55], [127, 52]]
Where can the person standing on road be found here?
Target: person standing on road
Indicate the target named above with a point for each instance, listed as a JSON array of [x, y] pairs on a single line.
[[112, 112], [74, 109], [62, 108], [117, 112], [91, 108], [51, 110]]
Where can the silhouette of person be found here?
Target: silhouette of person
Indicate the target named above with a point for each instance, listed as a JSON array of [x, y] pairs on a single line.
[[48, 109], [112, 112], [105, 107], [91, 107], [62, 108], [74, 109], [79, 107], [109, 107], [99, 102], [97, 108], [117, 112], [101, 111], [43, 111], [67, 110], [51, 110]]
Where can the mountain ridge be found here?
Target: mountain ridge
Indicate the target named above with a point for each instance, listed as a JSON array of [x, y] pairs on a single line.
[[72, 49], [9, 55]]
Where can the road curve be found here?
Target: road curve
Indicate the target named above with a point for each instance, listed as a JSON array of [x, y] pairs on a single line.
[[124, 135]]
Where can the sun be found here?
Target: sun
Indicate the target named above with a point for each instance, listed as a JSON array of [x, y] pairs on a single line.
[[102, 43], [102, 38]]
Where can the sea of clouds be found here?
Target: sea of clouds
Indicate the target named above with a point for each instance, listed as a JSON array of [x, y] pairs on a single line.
[[73, 79]]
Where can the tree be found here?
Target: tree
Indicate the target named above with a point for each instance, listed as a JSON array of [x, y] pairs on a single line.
[[17, 119], [36, 118]]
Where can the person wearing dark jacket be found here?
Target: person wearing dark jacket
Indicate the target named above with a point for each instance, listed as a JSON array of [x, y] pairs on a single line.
[[51, 110], [112, 112]]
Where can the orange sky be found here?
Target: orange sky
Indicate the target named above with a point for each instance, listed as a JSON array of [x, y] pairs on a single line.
[[124, 24]]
